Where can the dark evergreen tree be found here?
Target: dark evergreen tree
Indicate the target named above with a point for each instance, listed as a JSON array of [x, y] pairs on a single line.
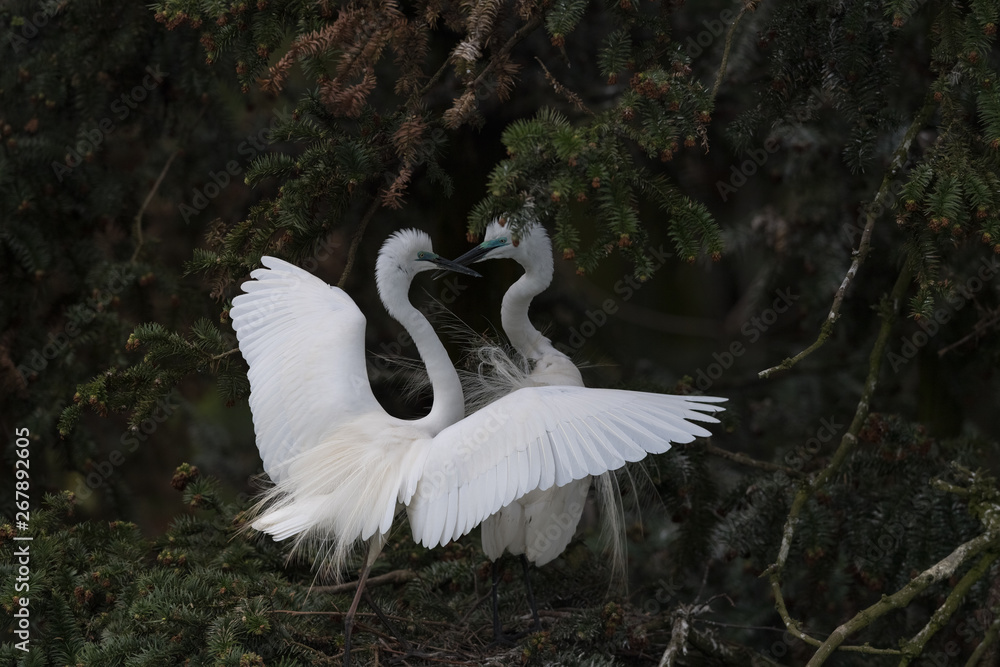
[[795, 204]]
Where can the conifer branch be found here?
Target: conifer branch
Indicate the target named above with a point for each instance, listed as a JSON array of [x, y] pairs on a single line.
[[748, 5], [895, 166], [356, 241], [137, 223], [573, 98], [507, 47], [915, 646]]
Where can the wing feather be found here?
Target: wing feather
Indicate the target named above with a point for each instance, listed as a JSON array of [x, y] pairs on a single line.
[[537, 437], [304, 342]]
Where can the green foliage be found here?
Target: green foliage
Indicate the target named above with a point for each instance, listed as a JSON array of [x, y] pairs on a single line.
[[195, 594], [557, 170], [147, 163]]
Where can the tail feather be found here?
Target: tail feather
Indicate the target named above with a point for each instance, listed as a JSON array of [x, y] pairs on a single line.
[[290, 520]]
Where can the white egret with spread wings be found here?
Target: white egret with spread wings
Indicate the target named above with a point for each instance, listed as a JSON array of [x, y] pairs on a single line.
[[342, 466]]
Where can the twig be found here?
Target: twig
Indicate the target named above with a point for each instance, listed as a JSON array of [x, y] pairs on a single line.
[[710, 644], [747, 461], [915, 646], [356, 241], [750, 5], [474, 607], [898, 160], [431, 81], [573, 98], [507, 47], [977, 330], [137, 222], [739, 626], [335, 614], [847, 444], [394, 577], [678, 641], [428, 656], [988, 639], [940, 570], [220, 355]]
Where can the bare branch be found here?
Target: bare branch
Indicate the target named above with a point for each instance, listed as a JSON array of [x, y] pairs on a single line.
[[394, 577], [748, 5], [356, 241], [747, 461], [898, 160], [137, 222]]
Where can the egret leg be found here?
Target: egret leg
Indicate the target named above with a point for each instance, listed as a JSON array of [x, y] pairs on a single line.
[[497, 627], [531, 594], [349, 618]]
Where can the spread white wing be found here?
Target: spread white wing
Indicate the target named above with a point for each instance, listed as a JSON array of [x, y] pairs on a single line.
[[304, 341], [538, 437]]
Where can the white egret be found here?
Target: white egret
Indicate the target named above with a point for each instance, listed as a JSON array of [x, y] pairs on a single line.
[[311, 399], [539, 525], [342, 466]]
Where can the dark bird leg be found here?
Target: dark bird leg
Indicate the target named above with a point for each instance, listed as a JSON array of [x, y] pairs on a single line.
[[497, 627], [531, 594], [349, 618]]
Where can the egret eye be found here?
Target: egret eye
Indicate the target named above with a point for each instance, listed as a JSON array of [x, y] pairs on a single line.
[[421, 254], [503, 240]]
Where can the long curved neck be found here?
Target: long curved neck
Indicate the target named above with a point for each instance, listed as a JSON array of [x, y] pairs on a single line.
[[449, 404], [525, 338]]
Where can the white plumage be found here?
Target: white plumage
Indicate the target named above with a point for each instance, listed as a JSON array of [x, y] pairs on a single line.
[[342, 465]]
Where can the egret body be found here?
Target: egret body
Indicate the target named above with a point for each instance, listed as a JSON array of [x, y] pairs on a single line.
[[540, 524], [342, 467]]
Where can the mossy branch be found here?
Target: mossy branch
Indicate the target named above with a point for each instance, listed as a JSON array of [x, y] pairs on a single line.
[[748, 5], [988, 639], [754, 463], [847, 443], [915, 646], [896, 165], [898, 600]]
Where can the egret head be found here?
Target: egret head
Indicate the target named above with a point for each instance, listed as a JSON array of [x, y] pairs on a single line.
[[529, 248], [405, 254]]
